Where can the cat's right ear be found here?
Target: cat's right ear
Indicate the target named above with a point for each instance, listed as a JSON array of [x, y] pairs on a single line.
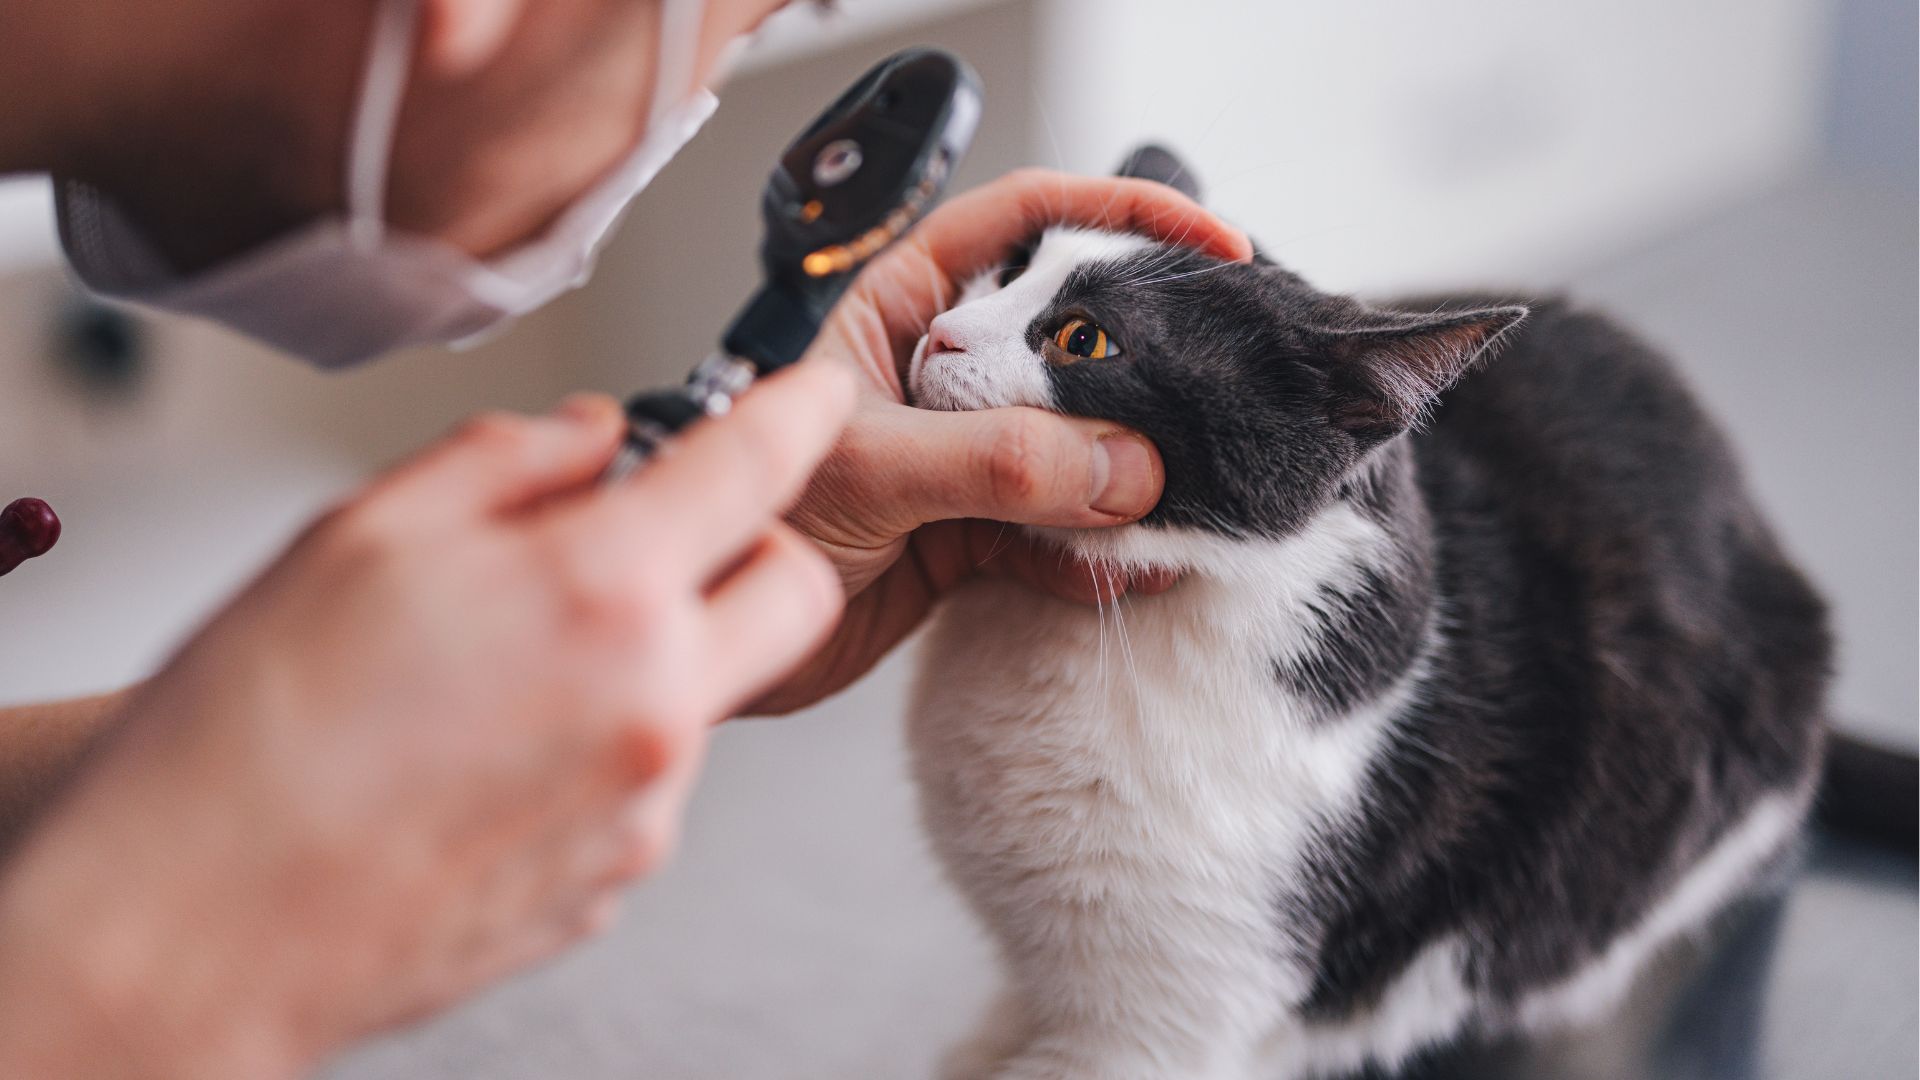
[[1383, 379], [1162, 166]]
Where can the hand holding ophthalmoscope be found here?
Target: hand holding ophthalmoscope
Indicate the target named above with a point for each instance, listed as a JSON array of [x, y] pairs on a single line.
[[855, 181], [426, 746]]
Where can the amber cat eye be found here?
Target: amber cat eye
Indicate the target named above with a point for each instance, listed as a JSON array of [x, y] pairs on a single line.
[[1080, 339]]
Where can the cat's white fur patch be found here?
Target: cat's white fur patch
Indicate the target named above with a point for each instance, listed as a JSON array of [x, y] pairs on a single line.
[[1428, 1002], [1704, 889], [1288, 574], [990, 363], [1127, 827]]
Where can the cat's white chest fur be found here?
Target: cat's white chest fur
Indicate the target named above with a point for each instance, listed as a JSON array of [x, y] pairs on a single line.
[[1125, 795]]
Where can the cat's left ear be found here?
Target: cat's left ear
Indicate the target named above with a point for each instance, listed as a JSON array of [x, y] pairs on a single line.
[[1384, 378], [1162, 166]]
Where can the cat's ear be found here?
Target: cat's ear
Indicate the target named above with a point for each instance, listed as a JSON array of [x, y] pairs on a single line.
[[1383, 378], [1160, 165]]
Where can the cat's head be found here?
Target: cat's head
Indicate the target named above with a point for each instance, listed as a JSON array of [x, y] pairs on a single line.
[[1263, 394]]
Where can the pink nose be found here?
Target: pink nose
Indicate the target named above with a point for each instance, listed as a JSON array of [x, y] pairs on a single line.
[[942, 338]]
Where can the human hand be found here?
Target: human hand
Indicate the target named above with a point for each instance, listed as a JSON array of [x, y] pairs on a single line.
[[908, 502], [423, 749]]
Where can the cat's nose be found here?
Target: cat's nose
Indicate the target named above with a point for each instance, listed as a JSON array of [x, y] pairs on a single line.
[[942, 337]]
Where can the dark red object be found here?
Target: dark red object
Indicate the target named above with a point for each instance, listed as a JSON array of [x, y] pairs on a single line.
[[28, 528]]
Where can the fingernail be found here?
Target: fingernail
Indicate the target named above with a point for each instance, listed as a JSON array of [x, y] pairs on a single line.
[[1124, 483]]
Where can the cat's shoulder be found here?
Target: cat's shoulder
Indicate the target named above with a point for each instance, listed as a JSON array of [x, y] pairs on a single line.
[[1570, 356], [1578, 384]]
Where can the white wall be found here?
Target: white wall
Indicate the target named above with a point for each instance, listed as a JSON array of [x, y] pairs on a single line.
[[686, 258], [1338, 132], [1378, 144]]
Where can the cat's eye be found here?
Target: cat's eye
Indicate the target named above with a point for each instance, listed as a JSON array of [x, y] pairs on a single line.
[[1082, 339]]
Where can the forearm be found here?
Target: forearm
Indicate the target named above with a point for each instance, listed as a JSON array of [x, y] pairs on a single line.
[[114, 962], [40, 745]]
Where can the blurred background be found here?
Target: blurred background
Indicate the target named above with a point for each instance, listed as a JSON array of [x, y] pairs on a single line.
[[1736, 178]]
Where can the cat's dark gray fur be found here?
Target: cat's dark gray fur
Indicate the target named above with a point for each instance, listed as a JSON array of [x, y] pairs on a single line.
[[1628, 661], [1595, 679]]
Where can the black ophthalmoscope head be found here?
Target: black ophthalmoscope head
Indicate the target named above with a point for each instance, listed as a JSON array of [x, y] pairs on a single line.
[[854, 182]]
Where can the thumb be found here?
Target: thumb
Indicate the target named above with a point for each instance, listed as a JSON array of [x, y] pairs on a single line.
[[502, 461], [1015, 464]]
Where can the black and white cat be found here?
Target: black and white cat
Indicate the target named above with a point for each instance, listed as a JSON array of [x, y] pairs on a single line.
[[1479, 686]]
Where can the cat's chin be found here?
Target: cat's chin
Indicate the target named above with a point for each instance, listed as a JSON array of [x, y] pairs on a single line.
[[1338, 534], [1131, 548]]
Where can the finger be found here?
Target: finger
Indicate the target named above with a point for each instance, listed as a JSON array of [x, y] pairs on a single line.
[[911, 466], [646, 828], [716, 488], [906, 288], [1073, 577], [501, 461], [955, 551], [980, 227], [769, 615]]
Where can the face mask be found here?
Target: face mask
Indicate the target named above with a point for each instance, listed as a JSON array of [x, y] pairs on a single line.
[[346, 289]]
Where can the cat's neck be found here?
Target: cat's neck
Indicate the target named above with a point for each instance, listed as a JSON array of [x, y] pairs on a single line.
[[1342, 608]]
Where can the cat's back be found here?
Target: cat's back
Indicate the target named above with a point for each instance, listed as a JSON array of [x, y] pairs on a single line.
[[1584, 500], [1583, 424], [1600, 457]]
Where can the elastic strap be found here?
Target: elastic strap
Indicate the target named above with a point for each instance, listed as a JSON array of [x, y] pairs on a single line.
[[676, 53], [376, 115]]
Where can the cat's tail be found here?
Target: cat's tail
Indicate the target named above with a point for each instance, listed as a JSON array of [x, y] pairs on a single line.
[[1871, 792]]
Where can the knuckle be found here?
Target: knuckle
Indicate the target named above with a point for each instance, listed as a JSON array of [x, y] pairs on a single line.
[[650, 748], [495, 432], [604, 603], [624, 613], [595, 916], [1016, 464], [623, 617], [822, 598], [660, 706], [365, 529], [1030, 176], [680, 708], [649, 844]]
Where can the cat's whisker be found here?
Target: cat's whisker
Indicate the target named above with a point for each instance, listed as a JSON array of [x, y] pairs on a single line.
[[1100, 616], [1053, 140], [1126, 651], [1000, 542], [1182, 277]]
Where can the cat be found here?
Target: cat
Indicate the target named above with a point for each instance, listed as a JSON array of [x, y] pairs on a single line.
[[1484, 679]]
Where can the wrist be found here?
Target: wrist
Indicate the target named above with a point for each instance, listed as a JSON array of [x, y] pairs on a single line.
[[98, 979]]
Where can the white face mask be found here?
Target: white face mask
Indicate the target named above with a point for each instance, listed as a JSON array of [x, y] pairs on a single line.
[[345, 289]]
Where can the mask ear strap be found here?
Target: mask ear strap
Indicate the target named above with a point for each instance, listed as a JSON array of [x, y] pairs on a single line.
[[676, 53], [376, 115]]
